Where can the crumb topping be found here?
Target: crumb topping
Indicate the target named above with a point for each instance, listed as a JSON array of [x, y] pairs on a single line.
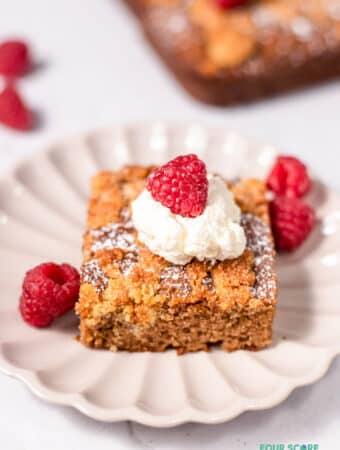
[[175, 279], [125, 274], [91, 273], [117, 235]]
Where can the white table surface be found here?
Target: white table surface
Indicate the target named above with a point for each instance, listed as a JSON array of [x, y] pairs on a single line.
[[93, 69]]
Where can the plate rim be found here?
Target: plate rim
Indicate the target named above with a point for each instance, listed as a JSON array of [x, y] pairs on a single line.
[[135, 413]]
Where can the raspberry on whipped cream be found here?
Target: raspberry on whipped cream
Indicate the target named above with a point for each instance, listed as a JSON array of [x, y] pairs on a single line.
[[216, 234], [181, 185]]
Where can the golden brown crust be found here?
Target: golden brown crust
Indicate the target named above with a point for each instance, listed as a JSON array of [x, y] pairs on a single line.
[[123, 281]]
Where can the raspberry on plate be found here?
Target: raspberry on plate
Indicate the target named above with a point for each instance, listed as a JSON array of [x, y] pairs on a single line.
[[49, 290], [181, 185], [14, 58], [292, 222], [13, 111], [289, 177]]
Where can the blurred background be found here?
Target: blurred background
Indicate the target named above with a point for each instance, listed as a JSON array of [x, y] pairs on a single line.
[[92, 69]]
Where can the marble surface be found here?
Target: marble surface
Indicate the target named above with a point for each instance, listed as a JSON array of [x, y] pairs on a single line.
[[92, 70]]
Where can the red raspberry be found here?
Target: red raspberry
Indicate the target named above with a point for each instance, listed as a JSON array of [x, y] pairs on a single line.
[[181, 185], [14, 58], [225, 4], [292, 222], [13, 111], [289, 177], [49, 290]]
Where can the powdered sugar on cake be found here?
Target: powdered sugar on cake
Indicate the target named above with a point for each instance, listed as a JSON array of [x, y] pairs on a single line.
[[92, 273], [259, 241], [118, 235], [175, 278], [121, 235]]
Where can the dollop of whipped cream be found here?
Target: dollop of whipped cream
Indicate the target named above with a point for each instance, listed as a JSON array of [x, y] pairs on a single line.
[[214, 235]]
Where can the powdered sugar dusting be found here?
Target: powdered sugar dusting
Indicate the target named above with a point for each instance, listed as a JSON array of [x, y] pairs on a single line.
[[119, 235], [333, 9], [303, 24], [302, 28], [175, 278], [208, 283], [259, 241], [92, 273], [171, 25], [128, 262]]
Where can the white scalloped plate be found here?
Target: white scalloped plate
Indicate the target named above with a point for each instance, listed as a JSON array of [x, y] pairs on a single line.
[[42, 213]]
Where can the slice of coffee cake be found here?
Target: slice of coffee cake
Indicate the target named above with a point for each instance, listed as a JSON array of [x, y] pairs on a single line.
[[132, 299]]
